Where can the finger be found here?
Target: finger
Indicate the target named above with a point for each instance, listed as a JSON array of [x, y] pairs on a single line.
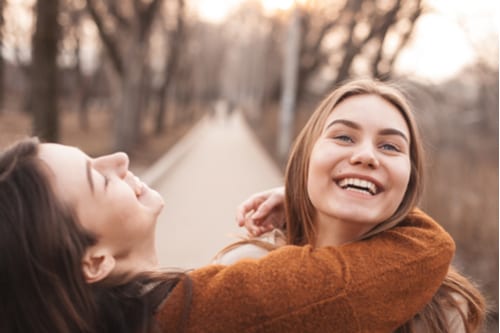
[[265, 228], [267, 206], [262, 211], [240, 219], [254, 231], [248, 206], [249, 225], [243, 210]]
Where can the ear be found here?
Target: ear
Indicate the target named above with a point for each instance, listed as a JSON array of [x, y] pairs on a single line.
[[97, 265]]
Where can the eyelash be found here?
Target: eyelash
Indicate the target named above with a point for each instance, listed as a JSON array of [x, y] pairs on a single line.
[[385, 146], [344, 138], [391, 147], [106, 180]]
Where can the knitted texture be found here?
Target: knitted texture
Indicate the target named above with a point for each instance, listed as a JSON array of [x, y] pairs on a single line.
[[374, 285]]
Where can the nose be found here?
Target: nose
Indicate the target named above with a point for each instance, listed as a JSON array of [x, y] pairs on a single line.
[[117, 162], [365, 155]]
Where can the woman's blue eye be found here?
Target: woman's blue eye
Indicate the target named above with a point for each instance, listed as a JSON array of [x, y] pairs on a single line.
[[388, 146], [344, 138]]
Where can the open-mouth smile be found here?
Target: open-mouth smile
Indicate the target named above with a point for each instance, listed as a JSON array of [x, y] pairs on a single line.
[[358, 185]]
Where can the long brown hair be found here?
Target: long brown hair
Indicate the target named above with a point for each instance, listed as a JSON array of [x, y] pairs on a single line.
[[42, 244], [300, 212]]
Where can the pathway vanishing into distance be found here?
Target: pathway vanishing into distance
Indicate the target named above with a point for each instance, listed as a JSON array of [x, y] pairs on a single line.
[[202, 179]]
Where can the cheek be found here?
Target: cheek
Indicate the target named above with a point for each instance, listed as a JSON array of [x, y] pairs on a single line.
[[401, 176], [319, 175], [321, 159], [89, 212], [124, 206], [315, 167], [102, 215]]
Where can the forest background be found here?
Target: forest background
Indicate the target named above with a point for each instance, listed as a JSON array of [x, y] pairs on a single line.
[[135, 75]]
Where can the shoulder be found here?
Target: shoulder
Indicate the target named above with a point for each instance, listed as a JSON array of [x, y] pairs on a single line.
[[241, 252], [255, 248]]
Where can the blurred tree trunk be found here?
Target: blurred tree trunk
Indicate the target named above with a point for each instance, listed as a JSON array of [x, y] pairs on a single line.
[[72, 24], [84, 89], [2, 66], [128, 123], [289, 85], [127, 46], [175, 42], [44, 71]]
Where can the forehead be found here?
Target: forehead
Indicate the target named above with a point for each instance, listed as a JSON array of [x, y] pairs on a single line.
[[68, 168], [60, 156], [368, 109]]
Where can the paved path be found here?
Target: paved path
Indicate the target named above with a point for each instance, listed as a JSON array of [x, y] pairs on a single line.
[[216, 166]]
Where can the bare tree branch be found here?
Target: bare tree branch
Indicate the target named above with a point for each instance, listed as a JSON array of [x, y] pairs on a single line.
[[137, 7], [107, 39], [406, 36], [351, 50], [122, 20], [146, 17], [171, 67], [381, 32]]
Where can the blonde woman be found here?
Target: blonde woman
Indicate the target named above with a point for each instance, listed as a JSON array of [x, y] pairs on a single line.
[[355, 170]]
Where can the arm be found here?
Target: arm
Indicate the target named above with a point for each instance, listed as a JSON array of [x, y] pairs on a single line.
[[373, 285]]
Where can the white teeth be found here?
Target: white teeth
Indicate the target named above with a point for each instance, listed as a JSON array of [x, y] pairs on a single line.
[[358, 184]]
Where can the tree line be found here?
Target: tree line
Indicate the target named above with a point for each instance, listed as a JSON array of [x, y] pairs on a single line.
[[148, 46]]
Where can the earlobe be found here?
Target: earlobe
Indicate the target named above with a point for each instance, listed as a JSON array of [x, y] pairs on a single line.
[[97, 266]]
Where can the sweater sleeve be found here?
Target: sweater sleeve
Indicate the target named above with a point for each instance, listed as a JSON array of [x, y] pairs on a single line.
[[373, 285]]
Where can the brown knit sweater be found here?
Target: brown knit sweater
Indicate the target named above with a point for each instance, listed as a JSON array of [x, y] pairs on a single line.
[[372, 286]]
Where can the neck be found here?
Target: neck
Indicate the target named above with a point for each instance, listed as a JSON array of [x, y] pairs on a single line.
[[335, 232], [139, 259], [134, 265]]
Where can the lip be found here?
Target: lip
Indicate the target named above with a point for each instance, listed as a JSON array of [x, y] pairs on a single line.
[[378, 184], [142, 188]]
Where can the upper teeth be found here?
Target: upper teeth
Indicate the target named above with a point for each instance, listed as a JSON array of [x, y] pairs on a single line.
[[358, 183]]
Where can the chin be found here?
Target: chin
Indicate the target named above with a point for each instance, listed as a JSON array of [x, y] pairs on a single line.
[[153, 201], [157, 208], [362, 217]]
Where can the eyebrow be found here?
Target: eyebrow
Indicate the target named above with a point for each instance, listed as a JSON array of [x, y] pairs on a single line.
[[393, 131], [89, 176], [345, 122], [351, 124]]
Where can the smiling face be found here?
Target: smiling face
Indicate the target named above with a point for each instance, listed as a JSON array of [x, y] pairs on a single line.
[[359, 168], [109, 201]]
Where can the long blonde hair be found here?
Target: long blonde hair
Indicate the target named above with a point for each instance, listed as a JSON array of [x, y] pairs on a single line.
[[470, 304], [300, 212]]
